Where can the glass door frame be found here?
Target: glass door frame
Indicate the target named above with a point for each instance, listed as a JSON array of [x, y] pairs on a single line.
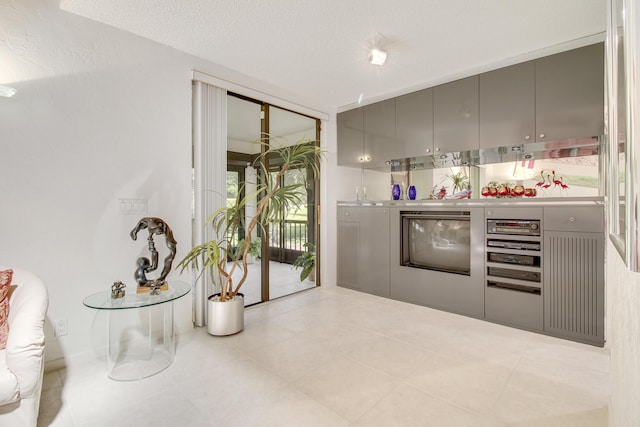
[[315, 188]]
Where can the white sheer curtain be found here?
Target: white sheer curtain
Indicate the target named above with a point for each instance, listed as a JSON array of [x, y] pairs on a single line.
[[210, 175]]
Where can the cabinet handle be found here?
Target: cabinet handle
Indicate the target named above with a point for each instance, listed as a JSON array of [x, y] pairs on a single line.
[[527, 137], [437, 148], [347, 214], [542, 135], [489, 212], [428, 150], [572, 219]]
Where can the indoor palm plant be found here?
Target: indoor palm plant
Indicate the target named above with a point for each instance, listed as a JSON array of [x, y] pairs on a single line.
[[223, 256]]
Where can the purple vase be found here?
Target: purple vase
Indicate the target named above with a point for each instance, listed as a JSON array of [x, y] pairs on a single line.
[[395, 192], [412, 192]]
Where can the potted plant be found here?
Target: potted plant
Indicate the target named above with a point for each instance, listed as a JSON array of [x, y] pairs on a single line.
[[222, 257], [254, 249], [461, 184], [307, 261]]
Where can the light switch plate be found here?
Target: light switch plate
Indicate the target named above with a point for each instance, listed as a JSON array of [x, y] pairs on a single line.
[[132, 206]]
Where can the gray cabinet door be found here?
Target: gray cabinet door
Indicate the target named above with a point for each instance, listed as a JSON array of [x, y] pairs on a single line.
[[507, 106], [570, 94], [414, 124], [455, 116], [348, 233], [379, 133], [374, 251], [573, 287], [350, 137]]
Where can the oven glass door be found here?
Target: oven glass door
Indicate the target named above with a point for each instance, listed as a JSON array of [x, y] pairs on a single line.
[[437, 243]]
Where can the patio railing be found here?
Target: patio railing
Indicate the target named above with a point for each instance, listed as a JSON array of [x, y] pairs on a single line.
[[292, 235]]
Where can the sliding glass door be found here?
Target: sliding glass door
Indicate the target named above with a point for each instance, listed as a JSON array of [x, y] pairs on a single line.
[[272, 273]]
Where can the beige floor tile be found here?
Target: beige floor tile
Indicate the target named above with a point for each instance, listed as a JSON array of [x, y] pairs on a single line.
[[286, 407], [533, 397], [408, 406], [395, 358], [467, 381], [347, 387]]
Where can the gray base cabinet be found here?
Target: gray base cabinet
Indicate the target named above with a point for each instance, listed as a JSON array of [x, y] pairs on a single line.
[[347, 252], [363, 249], [574, 274], [514, 308], [455, 293]]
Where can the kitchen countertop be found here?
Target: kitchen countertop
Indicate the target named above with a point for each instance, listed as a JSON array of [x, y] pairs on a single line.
[[485, 202]]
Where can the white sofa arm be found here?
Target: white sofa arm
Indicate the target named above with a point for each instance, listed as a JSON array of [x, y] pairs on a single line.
[[25, 344], [24, 353], [9, 391]]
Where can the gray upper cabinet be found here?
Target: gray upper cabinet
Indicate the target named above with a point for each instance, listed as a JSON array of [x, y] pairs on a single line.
[[570, 94], [548, 99], [455, 116], [350, 137], [507, 106], [379, 133], [414, 124]]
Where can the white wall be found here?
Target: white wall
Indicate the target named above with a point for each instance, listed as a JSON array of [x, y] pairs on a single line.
[[100, 115], [623, 318], [623, 298]]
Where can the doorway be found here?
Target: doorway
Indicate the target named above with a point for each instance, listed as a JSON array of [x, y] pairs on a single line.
[[273, 273]]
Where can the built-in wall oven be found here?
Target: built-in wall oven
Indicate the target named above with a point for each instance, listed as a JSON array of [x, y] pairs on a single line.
[[436, 240], [513, 268]]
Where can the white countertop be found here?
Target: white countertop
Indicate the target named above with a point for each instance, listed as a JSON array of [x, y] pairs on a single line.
[[484, 202]]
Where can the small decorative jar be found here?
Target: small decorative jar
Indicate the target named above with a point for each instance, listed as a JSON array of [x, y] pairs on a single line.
[[412, 192]]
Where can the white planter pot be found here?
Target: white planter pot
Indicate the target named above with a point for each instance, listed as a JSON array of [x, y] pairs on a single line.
[[225, 318]]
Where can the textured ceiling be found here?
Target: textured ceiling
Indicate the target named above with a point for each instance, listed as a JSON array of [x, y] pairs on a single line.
[[318, 48]]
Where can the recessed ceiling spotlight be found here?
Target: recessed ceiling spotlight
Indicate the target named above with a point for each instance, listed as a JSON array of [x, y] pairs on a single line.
[[377, 53], [377, 56]]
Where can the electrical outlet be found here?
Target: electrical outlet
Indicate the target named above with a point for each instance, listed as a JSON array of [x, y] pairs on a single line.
[[61, 327]]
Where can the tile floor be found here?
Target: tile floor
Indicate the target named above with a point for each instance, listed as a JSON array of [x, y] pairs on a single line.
[[287, 281], [334, 357]]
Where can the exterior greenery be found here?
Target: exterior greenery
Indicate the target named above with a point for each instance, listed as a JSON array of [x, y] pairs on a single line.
[[306, 261]]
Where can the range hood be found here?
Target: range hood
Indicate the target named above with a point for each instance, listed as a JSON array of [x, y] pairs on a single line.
[[538, 150]]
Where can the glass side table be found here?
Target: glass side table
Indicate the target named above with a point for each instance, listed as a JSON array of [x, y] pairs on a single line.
[[141, 335]]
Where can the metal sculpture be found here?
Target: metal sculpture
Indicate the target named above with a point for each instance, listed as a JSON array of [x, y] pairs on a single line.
[[156, 226]]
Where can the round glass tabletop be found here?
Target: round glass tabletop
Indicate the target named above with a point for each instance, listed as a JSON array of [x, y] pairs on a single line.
[[103, 301]]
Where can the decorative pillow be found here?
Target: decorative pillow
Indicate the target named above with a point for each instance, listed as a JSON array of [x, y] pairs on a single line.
[[5, 286]]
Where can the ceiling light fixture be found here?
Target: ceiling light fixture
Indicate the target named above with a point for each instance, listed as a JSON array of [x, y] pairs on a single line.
[[377, 56], [7, 91], [377, 53]]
